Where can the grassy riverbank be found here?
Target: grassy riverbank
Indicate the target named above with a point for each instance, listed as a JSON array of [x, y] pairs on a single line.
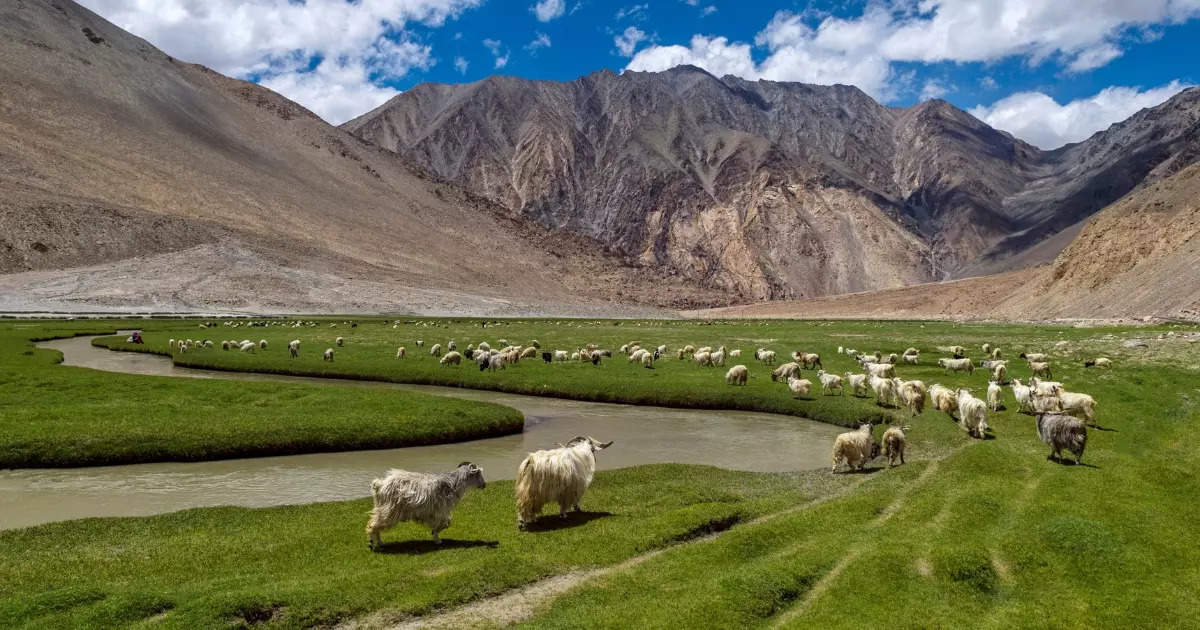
[[53, 416]]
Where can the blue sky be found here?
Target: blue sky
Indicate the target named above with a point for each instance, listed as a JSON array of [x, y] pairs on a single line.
[[1048, 71]]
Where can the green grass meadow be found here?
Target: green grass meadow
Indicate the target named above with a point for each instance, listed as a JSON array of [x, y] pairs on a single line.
[[969, 533]]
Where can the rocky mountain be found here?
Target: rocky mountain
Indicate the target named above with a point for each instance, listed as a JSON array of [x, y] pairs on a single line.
[[129, 179], [774, 190]]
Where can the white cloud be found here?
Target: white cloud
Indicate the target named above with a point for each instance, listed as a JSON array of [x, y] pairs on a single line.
[[494, 46], [461, 65], [933, 89], [1043, 122], [988, 83], [627, 41], [541, 41], [636, 11], [708, 10], [860, 50], [547, 10], [277, 40]]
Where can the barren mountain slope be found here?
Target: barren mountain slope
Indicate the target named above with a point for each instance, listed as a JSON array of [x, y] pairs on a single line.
[[1139, 257], [773, 190], [112, 151]]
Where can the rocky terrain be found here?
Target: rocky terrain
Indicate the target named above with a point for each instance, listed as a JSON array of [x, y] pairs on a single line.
[[775, 190], [130, 179]]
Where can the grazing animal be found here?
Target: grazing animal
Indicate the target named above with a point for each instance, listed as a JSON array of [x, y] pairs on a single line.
[[340, 342], [647, 360], [885, 391], [764, 355], [857, 383], [1032, 356], [451, 358], [561, 355], [1061, 431], [894, 441], [245, 347], [1041, 368], [854, 448], [560, 475], [1023, 394], [1000, 373], [328, 356], [703, 359], [800, 387], [1099, 362], [912, 395], [882, 370], [436, 350], [401, 352], [958, 351], [994, 394], [737, 375], [957, 365], [736, 352], [972, 414], [294, 348], [224, 345], [785, 371], [262, 344], [830, 383], [809, 360], [547, 357], [424, 498], [943, 399]]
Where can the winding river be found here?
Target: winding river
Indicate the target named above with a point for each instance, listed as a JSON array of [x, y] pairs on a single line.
[[642, 435]]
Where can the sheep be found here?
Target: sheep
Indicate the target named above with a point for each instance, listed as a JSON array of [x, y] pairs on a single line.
[[547, 357], [785, 372], [679, 354], [1032, 356], [662, 349], [840, 349], [912, 359], [707, 349], [1023, 394], [996, 354], [647, 360], [483, 346], [943, 399], [339, 342], [994, 394], [799, 386], [451, 358], [689, 349], [424, 498], [854, 448], [972, 414], [764, 355], [718, 357], [958, 351], [911, 350], [857, 383], [830, 382], [894, 441], [809, 360], [636, 356], [575, 356], [1000, 373], [328, 356], [435, 350], [559, 475], [401, 352], [851, 352], [703, 359], [245, 347], [208, 343], [561, 355], [1081, 406], [737, 375], [450, 345], [225, 345], [736, 352], [262, 344], [957, 365], [294, 348], [987, 348], [171, 343], [183, 348], [1041, 368], [529, 353], [1098, 362], [1061, 431], [885, 391], [882, 370]]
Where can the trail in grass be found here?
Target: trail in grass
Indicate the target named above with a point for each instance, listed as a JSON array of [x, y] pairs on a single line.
[[523, 603]]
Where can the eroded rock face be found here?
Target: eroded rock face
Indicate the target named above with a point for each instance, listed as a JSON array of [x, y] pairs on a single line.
[[769, 190]]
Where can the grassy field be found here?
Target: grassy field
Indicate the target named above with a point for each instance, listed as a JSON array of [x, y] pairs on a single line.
[[52, 416], [970, 533], [370, 348]]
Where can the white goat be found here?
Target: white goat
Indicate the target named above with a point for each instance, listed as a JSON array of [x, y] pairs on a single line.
[[559, 475], [854, 448], [425, 498]]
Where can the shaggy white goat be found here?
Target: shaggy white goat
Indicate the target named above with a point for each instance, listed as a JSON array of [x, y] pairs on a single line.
[[894, 442], [245, 347], [972, 414], [401, 352], [559, 475], [854, 448], [857, 383], [885, 391], [830, 382], [882, 370], [340, 342], [957, 365], [1023, 394], [994, 395], [452, 358], [800, 387], [786, 371], [737, 375], [436, 350], [294, 348], [425, 498], [328, 356]]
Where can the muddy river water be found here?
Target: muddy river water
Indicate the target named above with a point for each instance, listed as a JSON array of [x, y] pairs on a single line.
[[643, 435]]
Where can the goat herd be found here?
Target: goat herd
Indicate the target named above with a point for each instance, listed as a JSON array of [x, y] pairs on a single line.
[[562, 475]]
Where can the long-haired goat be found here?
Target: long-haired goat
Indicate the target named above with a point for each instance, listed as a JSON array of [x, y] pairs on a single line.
[[894, 441], [855, 448], [425, 498], [560, 475], [1061, 431]]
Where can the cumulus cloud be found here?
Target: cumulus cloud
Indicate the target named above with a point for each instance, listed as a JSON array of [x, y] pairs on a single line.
[[861, 50], [988, 83], [278, 40], [461, 65], [627, 41], [1040, 120], [547, 10]]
